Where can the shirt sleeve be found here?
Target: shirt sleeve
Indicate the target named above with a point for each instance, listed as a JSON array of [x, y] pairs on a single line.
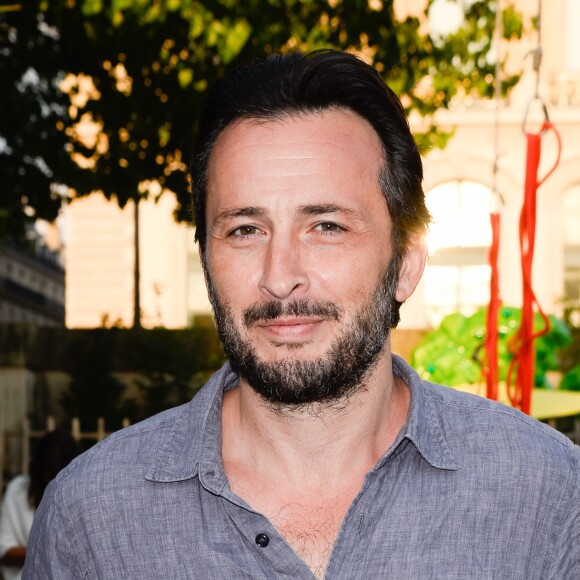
[[52, 553], [566, 564]]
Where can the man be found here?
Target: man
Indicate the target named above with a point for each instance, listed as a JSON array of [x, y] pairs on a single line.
[[314, 452]]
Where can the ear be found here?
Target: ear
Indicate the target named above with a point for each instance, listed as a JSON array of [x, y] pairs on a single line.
[[412, 267]]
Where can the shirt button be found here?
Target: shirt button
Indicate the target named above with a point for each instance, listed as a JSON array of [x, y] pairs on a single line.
[[262, 540]]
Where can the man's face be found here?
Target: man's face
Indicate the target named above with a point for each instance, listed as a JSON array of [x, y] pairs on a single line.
[[298, 254]]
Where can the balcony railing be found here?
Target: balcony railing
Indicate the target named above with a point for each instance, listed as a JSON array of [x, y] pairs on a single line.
[[564, 89]]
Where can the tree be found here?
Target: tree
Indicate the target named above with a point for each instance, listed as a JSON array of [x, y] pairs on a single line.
[[135, 74], [33, 115], [138, 71]]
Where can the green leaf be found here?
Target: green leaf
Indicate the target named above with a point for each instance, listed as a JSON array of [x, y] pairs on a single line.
[[234, 40], [92, 7], [185, 77]]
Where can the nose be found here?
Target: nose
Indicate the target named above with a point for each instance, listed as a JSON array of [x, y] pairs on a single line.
[[284, 274]]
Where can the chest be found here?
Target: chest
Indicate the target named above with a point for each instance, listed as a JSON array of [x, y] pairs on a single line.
[[308, 516], [428, 526], [310, 526]]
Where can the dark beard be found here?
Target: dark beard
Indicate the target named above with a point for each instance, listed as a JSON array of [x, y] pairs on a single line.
[[331, 379]]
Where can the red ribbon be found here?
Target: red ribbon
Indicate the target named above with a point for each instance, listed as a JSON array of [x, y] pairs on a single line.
[[522, 344]]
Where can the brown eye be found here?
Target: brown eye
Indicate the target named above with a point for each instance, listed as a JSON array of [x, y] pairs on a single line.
[[329, 227], [244, 231]]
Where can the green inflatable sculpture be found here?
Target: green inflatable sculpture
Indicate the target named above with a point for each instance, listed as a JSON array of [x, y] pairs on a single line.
[[453, 354]]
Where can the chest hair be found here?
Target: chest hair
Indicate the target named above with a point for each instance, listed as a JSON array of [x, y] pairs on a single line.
[[310, 525], [311, 531]]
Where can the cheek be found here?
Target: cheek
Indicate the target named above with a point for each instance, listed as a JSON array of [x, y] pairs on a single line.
[[355, 269], [233, 279]]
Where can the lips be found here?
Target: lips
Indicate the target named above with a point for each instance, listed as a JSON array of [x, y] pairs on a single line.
[[290, 328], [290, 321], [298, 311]]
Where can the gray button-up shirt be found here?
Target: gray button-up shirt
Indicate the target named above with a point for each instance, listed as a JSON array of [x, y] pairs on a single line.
[[470, 489]]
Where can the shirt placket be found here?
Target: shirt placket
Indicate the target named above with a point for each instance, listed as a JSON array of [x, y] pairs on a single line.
[[267, 544]]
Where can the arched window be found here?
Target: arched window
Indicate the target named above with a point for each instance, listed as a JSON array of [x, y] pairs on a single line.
[[457, 274], [571, 212]]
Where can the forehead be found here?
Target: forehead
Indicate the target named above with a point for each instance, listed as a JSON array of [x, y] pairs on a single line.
[[335, 124], [287, 151]]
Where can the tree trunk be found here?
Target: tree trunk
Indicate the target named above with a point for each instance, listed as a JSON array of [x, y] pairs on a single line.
[[137, 270]]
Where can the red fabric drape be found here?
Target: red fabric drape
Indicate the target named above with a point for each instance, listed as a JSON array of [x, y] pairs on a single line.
[[520, 392]]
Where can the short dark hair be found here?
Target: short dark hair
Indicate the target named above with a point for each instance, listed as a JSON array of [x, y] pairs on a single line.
[[298, 84]]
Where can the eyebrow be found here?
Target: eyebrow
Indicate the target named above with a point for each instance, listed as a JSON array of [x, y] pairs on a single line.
[[309, 209], [324, 208], [237, 212]]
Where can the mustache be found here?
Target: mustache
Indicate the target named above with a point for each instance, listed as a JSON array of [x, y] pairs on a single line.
[[299, 307]]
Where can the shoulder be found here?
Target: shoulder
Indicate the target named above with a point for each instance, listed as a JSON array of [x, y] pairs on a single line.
[[470, 421], [506, 458], [109, 491], [126, 458], [534, 465], [486, 412], [128, 451], [477, 425]]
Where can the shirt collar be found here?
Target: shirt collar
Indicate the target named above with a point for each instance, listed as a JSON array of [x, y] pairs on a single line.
[[424, 427], [191, 446]]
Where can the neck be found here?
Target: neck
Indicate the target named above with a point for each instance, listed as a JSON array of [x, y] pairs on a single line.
[[319, 443]]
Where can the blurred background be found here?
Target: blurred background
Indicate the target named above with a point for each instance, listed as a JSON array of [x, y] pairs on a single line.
[[104, 317]]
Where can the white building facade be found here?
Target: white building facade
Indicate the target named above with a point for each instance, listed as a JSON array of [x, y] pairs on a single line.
[[459, 184]]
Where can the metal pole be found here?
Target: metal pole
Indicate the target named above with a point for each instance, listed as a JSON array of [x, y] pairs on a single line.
[[76, 429], [538, 53], [100, 429], [25, 446], [497, 96]]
